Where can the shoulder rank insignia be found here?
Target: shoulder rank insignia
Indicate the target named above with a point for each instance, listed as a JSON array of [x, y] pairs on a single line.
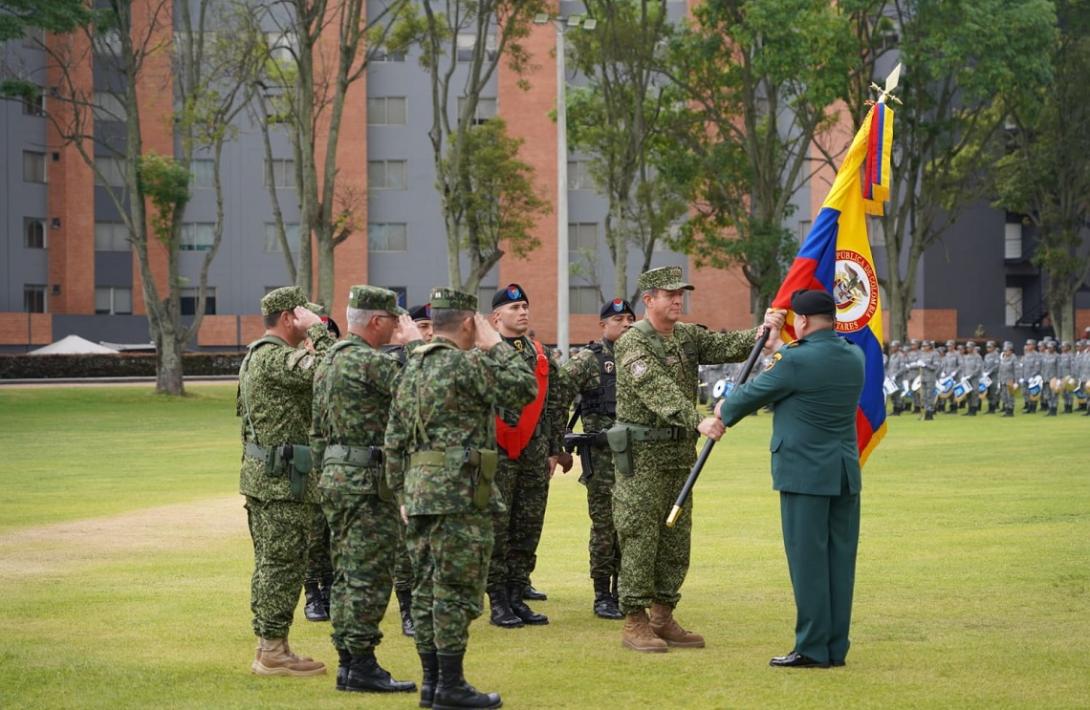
[[638, 368], [772, 363]]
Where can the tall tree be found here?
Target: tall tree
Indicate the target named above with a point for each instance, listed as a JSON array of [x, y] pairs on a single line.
[[473, 36], [618, 118], [759, 87], [1044, 168]]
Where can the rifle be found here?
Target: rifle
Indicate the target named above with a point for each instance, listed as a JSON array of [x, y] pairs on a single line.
[[702, 459], [581, 444]]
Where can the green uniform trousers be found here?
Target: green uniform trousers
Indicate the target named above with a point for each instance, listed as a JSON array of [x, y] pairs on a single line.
[[524, 487], [319, 560], [450, 555], [604, 547], [403, 566], [364, 530], [654, 558], [821, 535], [279, 531]]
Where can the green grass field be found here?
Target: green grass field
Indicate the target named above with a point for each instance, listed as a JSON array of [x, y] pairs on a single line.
[[124, 573]]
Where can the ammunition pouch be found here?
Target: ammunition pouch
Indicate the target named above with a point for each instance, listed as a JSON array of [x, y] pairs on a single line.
[[291, 460], [620, 439]]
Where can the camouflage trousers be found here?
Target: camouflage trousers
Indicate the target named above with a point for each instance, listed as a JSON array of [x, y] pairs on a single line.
[[278, 529], [654, 558], [926, 397], [524, 486], [319, 561], [1006, 399], [403, 565], [605, 549], [364, 530], [450, 556]]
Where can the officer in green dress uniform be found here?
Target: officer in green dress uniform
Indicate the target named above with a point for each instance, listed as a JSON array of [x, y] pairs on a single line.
[[814, 384]]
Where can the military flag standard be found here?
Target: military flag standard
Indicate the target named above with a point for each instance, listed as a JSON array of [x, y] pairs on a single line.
[[836, 257]]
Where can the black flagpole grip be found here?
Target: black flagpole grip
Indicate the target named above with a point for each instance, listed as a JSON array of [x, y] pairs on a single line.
[[694, 474]]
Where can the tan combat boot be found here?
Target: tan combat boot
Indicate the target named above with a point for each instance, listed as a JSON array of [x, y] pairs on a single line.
[[664, 626], [274, 657], [638, 636]]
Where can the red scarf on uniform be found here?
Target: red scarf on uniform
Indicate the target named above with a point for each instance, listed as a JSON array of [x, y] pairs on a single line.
[[514, 439]]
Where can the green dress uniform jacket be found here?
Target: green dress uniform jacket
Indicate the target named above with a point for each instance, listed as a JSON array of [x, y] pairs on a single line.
[[814, 385]]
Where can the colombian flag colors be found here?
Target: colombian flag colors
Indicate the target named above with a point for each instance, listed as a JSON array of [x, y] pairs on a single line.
[[836, 257]]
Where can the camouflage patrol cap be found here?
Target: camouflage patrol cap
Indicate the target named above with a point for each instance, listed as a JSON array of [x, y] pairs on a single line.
[[1032, 342], [950, 343], [1008, 345], [450, 299], [374, 298], [895, 344], [990, 344], [1066, 344], [282, 299], [668, 278], [316, 308]]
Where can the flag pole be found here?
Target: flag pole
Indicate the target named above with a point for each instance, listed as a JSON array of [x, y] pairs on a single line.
[[694, 474]]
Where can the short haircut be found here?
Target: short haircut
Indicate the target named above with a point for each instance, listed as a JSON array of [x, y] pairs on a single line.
[[360, 317], [448, 318], [272, 319]]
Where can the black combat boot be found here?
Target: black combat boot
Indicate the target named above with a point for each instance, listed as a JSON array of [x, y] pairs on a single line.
[[453, 692], [1068, 408], [928, 415], [342, 667], [1051, 411], [970, 412], [502, 615], [326, 587], [315, 609], [1008, 412], [404, 603], [533, 595], [605, 606], [528, 615], [429, 664], [991, 407], [365, 675]]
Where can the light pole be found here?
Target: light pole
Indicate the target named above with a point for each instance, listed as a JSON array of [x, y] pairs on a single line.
[[562, 288]]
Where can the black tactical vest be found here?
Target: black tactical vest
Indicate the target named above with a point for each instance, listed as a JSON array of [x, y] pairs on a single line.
[[603, 398]]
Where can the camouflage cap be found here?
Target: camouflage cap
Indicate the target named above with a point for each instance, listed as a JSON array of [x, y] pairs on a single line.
[[668, 278], [281, 299], [450, 299], [374, 298], [316, 308]]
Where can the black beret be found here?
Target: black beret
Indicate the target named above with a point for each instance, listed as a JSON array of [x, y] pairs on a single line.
[[511, 293], [615, 308], [813, 302], [420, 312]]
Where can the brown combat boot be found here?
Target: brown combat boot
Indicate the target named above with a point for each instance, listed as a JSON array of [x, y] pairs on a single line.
[[665, 626], [638, 636], [274, 657]]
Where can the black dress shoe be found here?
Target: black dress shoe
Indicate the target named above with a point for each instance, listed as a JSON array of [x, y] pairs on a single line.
[[796, 660]]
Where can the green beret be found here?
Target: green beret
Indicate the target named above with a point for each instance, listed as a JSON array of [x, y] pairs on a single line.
[[448, 298], [374, 298], [668, 278], [282, 299]]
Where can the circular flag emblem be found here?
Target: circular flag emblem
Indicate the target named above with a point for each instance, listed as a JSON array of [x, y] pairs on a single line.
[[855, 291], [618, 305], [513, 292]]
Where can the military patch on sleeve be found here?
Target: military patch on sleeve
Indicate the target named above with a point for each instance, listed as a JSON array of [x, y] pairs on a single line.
[[772, 362], [638, 368]]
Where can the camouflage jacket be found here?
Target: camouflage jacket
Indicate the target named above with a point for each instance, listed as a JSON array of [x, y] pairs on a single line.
[[991, 363], [445, 400], [1050, 366], [1030, 365], [971, 366], [583, 373], [274, 401], [353, 386], [657, 376], [549, 435]]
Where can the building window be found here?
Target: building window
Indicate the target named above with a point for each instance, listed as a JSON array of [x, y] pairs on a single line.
[[112, 236], [202, 174], [1014, 305], [402, 294], [584, 299], [33, 233], [579, 175], [34, 103], [107, 106], [387, 174], [386, 111], [468, 40], [583, 236], [197, 236], [33, 298], [113, 300], [283, 173], [381, 55], [281, 46], [33, 166], [390, 236], [110, 172], [272, 243], [486, 109], [107, 43], [1012, 240], [188, 301]]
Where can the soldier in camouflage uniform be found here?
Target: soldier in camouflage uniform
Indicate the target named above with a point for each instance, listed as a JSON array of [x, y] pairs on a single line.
[[274, 401], [929, 363], [353, 385], [951, 366], [531, 441], [991, 369], [895, 369], [1066, 367], [592, 375], [441, 463], [1029, 367], [972, 364], [1050, 371], [1006, 378], [654, 443], [319, 577]]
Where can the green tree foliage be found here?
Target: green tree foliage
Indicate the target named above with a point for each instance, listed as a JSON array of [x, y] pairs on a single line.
[[758, 76], [19, 17], [1044, 168]]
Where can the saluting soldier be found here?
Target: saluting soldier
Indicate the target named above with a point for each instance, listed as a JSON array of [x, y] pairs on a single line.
[[1029, 367], [441, 463], [991, 369], [1007, 378], [274, 401], [895, 369], [814, 384], [653, 443], [592, 374]]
